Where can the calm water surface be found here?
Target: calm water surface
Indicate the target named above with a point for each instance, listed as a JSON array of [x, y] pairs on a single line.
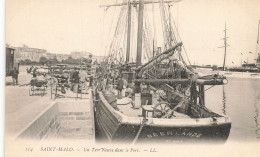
[[240, 100]]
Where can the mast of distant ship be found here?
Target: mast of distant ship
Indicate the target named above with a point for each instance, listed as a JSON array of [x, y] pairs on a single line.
[[257, 42], [225, 46]]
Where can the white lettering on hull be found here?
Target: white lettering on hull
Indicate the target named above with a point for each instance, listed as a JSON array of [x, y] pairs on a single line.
[[172, 133]]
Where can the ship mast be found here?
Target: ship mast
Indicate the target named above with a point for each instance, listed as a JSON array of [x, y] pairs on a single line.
[[140, 34], [225, 46], [128, 32], [140, 25], [257, 42]]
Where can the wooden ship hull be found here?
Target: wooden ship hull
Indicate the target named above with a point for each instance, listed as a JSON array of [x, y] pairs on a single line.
[[114, 126]]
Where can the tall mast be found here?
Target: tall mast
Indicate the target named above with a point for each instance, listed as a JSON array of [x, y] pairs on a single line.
[[258, 33], [140, 34], [140, 25], [170, 28], [225, 46], [128, 32], [154, 30], [257, 42], [225, 43]]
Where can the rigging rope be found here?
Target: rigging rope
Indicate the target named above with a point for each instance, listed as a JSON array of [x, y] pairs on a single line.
[[132, 37], [110, 27], [147, 37], [181, 40], [122, 34], [119, 33], [154, 27], [163, 27]]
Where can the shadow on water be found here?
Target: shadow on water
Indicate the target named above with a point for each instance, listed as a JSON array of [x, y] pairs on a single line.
[[239, 100], [224, 100], [257, 131]]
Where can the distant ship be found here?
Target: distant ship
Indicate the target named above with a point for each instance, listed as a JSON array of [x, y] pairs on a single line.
[[250, 67]]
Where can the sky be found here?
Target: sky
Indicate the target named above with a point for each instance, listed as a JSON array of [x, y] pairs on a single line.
[[63, 26]]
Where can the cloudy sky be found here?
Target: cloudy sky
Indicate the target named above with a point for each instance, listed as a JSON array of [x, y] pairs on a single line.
[[62, 26]]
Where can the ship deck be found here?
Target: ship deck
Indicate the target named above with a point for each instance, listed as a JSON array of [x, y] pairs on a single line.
[[130, 111]]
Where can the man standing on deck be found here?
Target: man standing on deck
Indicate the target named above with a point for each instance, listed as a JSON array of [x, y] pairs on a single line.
[[120, 85]]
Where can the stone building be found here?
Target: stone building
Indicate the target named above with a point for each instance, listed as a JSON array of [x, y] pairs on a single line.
[[50, 55], [81, 54], [61, 57], [98, 58], [25, 52]]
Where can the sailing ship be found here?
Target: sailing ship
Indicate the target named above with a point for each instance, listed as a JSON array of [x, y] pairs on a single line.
[[167, 103], [253, 68]]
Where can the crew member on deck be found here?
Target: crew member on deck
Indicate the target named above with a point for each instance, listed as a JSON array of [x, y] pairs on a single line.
[[120, 85]]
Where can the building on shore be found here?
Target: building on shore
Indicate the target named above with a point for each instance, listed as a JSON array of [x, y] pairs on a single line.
[[98, 59], [62, 57], [85, 54], [80, 54], [59, 57], [25, 52], [50, 55], [34, 54]]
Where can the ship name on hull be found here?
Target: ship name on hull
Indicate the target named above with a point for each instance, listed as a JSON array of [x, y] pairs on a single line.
[[172, 133]]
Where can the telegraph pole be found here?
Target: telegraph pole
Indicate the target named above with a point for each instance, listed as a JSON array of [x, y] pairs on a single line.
[[225, 46]]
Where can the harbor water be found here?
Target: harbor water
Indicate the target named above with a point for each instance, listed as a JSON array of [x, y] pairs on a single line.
[[240, 100]]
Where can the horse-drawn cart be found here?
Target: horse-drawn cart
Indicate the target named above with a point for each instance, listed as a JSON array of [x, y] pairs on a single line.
[[37, 87]]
